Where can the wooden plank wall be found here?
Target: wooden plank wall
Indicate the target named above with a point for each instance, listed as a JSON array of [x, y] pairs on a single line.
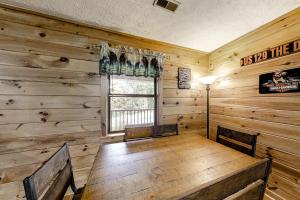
[[50, 93], [237, 104]]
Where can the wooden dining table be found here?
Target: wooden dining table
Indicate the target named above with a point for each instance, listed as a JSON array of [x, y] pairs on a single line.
[[160, 168]]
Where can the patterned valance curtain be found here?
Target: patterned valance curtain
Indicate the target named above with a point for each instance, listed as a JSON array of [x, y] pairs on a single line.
[[130, 61]]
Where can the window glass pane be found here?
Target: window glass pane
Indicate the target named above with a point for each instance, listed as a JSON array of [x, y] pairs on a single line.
[[131, 103], [130, 111], [131, 85]]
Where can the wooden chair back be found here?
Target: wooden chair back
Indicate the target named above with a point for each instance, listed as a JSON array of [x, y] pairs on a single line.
[[242, 142], [52, 179], [244, 184]]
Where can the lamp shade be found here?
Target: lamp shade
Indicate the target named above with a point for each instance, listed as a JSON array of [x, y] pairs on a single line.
[[207, 80]]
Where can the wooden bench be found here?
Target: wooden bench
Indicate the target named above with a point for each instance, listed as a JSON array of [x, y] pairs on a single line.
[[52, 179], [242, 142], [136, 132]]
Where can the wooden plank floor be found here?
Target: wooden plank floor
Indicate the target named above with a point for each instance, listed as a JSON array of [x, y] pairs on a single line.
[[162, 168]]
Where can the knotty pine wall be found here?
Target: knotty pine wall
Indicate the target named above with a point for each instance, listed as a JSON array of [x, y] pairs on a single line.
[[51, 93], [237, 104]]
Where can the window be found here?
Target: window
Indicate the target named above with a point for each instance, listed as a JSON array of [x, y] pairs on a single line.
[[132, 101]]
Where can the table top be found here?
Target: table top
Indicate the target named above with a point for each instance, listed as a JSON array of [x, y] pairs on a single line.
[[160, 168]]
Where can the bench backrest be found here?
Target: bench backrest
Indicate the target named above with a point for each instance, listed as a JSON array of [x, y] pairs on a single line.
[[252, 191], [52, 179], [137, 132], [235, 140]]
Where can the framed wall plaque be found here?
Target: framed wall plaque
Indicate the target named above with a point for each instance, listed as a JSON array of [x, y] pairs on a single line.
[[184, 78], [280, 82]]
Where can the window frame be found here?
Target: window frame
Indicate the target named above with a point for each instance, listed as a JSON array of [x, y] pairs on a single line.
[[110, 95]]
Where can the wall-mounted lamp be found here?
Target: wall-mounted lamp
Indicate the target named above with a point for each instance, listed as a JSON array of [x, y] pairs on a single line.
[[207, 80]]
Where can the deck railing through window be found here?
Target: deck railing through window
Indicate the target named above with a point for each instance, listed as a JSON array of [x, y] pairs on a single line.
[[121, 118]]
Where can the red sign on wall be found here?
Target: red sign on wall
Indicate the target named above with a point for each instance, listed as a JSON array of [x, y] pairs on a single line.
[[275, 52]]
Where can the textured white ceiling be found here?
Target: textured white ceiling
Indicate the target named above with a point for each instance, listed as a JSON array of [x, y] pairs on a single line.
[[199, 24]]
